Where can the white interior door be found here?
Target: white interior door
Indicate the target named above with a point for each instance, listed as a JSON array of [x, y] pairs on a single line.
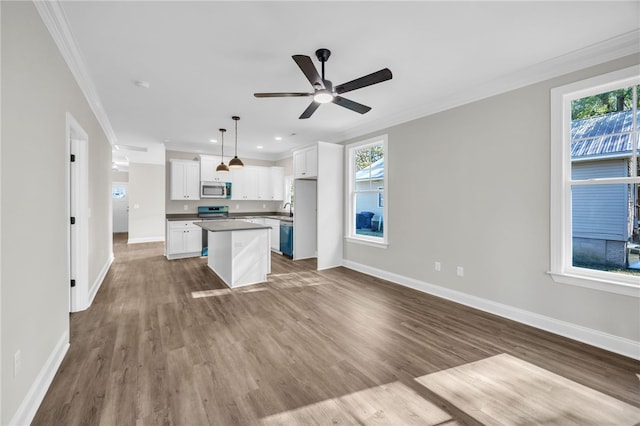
[[120, 195], [78, 196]]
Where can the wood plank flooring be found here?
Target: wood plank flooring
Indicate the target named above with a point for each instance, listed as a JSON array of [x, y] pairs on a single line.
[[166, 343]]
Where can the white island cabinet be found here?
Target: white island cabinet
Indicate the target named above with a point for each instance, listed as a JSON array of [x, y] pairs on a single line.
[[239, 252]]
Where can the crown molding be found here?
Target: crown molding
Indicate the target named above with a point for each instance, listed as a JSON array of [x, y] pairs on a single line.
[[56, 22], [595, 54]]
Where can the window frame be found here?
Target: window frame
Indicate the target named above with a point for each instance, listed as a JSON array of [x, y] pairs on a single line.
[[350, 228], [561, 264]]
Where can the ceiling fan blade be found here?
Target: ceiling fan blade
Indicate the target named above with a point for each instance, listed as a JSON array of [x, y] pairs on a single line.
[[313, 106], [281, 95], [353, 106], [309, 70], [367, 80]]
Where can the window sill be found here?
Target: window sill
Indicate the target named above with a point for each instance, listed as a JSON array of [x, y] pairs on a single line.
[[596, 283], [366, 242]]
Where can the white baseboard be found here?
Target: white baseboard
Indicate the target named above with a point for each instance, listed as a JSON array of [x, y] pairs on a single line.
[[156, 239], [610, 342], [31, 402], [100, 279]]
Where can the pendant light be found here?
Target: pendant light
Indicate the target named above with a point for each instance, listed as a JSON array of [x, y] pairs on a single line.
[[235, 161], [222, 167]]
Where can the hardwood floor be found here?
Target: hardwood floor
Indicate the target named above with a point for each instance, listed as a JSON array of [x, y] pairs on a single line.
[[165, 342]]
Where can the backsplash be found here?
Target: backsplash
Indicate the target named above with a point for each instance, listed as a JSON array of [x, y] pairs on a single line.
[[178, 206]]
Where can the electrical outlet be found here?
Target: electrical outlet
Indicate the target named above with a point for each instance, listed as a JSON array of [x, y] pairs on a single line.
[[186, 207], [17, 363], [237, 206], [438, 266], [460, 271], [264, 206]]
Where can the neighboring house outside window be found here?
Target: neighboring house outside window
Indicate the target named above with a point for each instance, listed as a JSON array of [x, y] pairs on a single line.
[[595, 176], [367, 163]]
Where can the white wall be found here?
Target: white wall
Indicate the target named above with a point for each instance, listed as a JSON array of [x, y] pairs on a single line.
[[37, 92], [146, 202], [470, 187]]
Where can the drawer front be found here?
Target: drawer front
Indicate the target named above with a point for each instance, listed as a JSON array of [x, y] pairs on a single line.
[[186, 224]]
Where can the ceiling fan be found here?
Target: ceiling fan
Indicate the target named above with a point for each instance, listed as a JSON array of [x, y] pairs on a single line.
[[324, 91]]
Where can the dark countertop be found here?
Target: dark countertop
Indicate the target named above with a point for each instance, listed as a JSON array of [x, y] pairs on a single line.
[[194, 216], [229, 225]]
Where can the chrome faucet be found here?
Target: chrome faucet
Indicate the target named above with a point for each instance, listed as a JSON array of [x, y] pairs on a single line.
[[290, 207]]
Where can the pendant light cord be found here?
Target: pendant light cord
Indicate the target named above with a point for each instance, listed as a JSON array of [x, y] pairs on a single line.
[[236, 120], [222, 151]]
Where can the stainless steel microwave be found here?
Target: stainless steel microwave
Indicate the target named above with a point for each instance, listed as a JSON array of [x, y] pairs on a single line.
[[215, 189]]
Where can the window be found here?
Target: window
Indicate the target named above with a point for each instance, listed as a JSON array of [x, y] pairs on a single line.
[[288, 190], [595, 179], [118, 192], [367, 216]]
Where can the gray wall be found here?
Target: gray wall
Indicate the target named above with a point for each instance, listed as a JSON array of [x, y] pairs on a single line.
[[470, 187], [286, 164], [37, 92], [117, 176], [175, 206], [146, 202]]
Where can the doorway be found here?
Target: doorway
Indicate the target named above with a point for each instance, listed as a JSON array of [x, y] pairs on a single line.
[[78, 207], [120, 200]]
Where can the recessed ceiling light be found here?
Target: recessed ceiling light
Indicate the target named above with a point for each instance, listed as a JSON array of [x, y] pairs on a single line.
[[213, 140], [259, 147], [278, 138], [142, 84]]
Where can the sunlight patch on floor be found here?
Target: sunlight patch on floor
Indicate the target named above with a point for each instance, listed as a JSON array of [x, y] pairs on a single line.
[[388, 404], [226, 291], [275, 282], [506, 390]]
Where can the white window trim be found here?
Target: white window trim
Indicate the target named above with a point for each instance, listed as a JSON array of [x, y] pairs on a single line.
[[561, 266], [351, 235]]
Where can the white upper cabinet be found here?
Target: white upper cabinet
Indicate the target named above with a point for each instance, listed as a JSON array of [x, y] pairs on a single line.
[[264, 183], [185, 180], [305, 163], [208, 164], [245, 183], [277, 183], [257, 183]]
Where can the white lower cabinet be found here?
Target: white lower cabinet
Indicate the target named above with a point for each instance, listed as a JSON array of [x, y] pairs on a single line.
[[275, 233], [184, 239]]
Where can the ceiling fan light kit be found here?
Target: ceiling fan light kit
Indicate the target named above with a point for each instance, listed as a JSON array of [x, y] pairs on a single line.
[[323, 90], [222, 167]]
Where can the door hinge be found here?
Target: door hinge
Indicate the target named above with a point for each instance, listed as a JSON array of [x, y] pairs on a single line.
[[73, 283], [73, 158], [73, 220]]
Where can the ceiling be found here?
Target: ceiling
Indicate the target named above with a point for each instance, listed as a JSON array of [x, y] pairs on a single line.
[[204, 60]]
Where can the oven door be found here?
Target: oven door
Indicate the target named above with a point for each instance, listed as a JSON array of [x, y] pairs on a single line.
[[213, 190]]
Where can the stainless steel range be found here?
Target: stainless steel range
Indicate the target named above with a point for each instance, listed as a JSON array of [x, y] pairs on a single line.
[[211, 213]]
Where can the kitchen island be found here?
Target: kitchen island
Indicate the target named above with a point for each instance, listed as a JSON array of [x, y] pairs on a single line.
[[239, 252]]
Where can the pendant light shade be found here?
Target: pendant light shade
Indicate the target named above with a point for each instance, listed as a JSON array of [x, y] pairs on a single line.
[[222, 167], [235, 161]]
